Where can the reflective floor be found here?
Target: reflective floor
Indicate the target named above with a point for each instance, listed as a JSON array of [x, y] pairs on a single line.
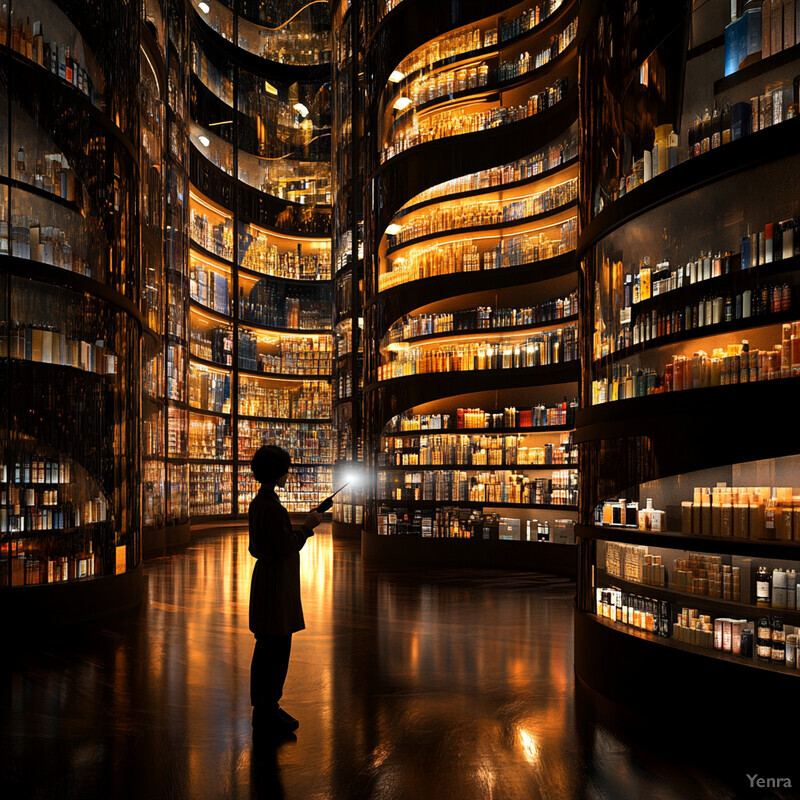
[[447, 685]]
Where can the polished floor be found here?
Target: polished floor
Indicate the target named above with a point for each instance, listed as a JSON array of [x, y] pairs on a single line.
[[451, 685]]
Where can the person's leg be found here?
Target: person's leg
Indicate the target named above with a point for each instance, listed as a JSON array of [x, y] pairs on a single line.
[[268, 671], [282, 648]]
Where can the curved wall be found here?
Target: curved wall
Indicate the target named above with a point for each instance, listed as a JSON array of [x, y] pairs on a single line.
[[687, 542], [70, 320]]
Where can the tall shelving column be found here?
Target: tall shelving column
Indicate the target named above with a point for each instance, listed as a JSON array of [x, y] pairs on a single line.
[[471, 306], [689, 503], [260, 367], [70, 348]]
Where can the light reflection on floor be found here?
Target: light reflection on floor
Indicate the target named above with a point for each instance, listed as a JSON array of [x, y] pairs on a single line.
[[408, 687]]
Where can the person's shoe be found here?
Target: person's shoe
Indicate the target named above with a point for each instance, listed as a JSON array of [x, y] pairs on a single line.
[[291, 723], [271, 721]]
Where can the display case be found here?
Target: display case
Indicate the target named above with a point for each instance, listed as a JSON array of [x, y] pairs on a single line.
[[686, 541]]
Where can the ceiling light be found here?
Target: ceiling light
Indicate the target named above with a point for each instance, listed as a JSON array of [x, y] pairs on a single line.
[[301, 109], [396, 76], [393, 229], [204, 7], [401, 103], [204, 140]]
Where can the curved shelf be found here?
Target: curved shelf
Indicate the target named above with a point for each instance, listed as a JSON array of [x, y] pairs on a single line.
[[288, 420], [266, 68], [297, 281], [475, 467], [533, 328], [394, 396], [68, 369], [565, 372], [703, 544], [770, 144], [303, 464], [473, 504], [285, 331], [761, 67], [281, 376], [225, 319], [719, 402], [491, 226], [275, 329], [492, 90], [503, 187], [64, 95], [209, 363], [405, 297], [708, 654], [749, 323], [210, 413], [196, 246], [410, 172], [734, 281], [55, 276], [406, 17], [45, 195], [486, 52], [496, 431], [714, 605]]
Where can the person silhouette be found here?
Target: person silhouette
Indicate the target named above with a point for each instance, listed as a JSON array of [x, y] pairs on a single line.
[[276, 611]]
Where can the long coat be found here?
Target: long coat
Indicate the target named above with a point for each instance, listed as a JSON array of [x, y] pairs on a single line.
[[275, 606]]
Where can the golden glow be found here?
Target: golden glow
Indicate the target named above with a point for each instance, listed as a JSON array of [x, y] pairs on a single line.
[[224, 122], [311, 241], [196, 258], [528, 744], [222, 212], [270, 89], [393, 229], [207, 317]]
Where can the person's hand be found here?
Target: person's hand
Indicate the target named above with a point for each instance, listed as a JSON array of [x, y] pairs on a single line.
[[312, 520]]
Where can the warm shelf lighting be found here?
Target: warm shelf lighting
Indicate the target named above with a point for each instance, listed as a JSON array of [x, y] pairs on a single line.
[[393, 229], [396, 76], [204, 7], [204, 140], [270, 89], [402, 103], [301, 110]]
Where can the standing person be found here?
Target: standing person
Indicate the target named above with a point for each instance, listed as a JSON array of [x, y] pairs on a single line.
[[275, 608]]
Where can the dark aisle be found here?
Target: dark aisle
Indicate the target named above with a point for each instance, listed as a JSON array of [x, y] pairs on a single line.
[[457, 685]]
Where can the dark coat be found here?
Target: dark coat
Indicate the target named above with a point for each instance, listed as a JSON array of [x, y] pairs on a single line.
[[275, 606]]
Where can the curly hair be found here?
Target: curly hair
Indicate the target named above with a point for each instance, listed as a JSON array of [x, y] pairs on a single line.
[[269, 463]]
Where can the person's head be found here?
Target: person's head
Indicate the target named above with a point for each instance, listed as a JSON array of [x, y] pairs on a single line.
[[270, 465]]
